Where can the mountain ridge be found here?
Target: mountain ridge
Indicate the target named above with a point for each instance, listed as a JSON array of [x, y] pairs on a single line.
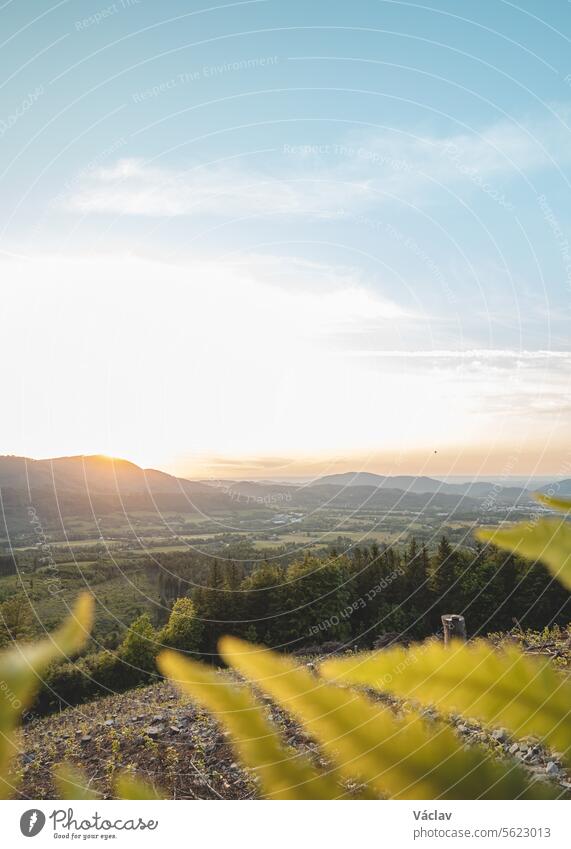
[[422, 484]]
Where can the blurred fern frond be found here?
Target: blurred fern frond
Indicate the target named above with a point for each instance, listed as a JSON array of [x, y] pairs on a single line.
[[403, 758], [545, 539], [72, 783], [527, 695], [21, 668], [283, 773]]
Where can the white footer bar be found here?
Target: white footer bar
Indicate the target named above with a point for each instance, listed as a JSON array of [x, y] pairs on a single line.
[[287, 825]]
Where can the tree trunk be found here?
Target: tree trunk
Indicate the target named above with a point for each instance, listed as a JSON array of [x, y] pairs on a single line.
[[454, 627]]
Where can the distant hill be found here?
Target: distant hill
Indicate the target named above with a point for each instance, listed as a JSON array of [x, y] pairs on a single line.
[[321, 495], [95, 473], [93, 485], [558, 489], [421, 484]]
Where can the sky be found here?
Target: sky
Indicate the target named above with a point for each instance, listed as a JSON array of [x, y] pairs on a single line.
[[274, 238]]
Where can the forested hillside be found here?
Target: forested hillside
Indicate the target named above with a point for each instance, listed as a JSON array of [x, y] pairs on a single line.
[[314, 605]]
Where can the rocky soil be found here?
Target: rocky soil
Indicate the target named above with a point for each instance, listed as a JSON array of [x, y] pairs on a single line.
[[161, 736], [164, 739]]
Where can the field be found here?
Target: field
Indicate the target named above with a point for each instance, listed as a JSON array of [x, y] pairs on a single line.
[[117, 559]]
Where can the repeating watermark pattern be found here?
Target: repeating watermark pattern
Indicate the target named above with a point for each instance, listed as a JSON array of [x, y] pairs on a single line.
[[359, 604], [11, 120], [491, 500], [453, 153], [204, 73], [103, 14], [54, 582], [560, 236], [408, 243], [269, 499], [552, 491], [372, 157], [408, 659], [88, 169]]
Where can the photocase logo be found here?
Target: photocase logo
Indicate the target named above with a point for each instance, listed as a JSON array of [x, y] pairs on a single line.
[[32, 822]]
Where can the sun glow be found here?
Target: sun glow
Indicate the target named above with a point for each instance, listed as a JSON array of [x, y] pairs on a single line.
[[176, 366]]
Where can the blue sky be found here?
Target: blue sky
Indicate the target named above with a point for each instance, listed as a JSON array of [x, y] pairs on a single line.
[[283, 235]]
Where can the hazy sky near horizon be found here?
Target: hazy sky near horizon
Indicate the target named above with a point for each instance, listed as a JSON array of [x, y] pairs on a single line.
[[280, 237]]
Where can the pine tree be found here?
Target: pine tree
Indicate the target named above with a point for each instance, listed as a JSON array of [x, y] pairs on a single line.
[[443, 575], [317, 599], [418, 596], [262, 602], [210, 605]]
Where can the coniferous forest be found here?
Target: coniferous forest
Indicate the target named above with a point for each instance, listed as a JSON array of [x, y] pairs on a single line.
[[370, 596]]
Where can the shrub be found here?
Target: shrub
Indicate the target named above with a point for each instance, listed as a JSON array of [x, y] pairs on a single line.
[[183, 631], [140, 646], [64, 684]]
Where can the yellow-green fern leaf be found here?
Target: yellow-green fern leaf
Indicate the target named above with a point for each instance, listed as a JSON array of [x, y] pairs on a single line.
[[283, 773], [128, 786], [508, 688], [72, 783], [401, 758], [561, 504], [21, 668], [548, 540]]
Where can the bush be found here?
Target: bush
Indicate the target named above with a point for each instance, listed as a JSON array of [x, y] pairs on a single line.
[[183, 631], [140, 647], [109, 672], [63, 684]]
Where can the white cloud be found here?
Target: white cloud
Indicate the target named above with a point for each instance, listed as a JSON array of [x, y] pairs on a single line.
[[319, 181], [133, 188]]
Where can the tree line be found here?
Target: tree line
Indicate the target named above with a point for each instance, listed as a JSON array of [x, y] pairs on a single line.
[[358, 596], [351, 599]]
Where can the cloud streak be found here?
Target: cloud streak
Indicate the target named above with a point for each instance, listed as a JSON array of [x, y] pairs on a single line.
[[317, 180]]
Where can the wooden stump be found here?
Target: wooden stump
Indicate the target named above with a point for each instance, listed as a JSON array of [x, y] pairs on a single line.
[[454, 627]]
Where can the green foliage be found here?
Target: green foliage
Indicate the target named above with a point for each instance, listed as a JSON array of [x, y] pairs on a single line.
[[15, 619], [139, 648], [370, 591], [352, 599], [401, 757], [183, 630], [548, 540], [554, 503], [369, 748], [317, 592], [71, 783], [108, 672], [128, 786], [404, 758], [20, 670], [64, 684], [443, 574], [525, 694]]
